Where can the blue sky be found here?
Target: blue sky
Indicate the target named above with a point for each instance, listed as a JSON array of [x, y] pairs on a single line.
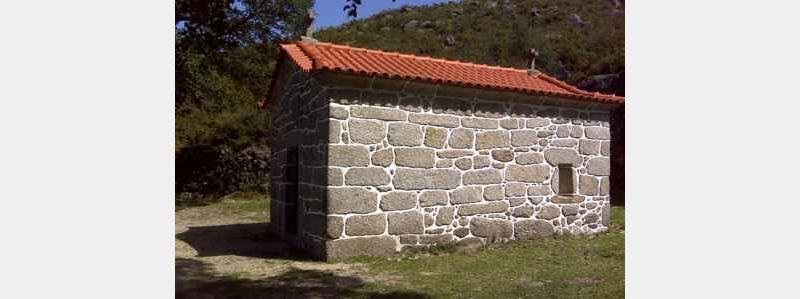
[[330, 13]]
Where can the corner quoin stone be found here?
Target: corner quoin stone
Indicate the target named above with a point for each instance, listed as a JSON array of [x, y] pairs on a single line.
[[373, 246], [351, 200], [365, 225]]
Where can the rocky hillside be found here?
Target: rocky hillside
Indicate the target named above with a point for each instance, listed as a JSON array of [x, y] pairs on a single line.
[[579, 41]]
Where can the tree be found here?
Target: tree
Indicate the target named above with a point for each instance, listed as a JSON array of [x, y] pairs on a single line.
[[225, 52]]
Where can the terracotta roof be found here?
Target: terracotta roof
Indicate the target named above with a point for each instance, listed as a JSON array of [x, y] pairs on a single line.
[[319, 56]]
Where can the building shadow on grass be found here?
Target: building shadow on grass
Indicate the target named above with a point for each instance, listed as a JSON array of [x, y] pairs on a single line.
[[249, 239], [196, 279]]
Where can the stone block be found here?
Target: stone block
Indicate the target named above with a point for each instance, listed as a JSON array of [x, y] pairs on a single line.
[[405, 134], [562, 132], [398, 200], [414, 157], [335, 227], [446, 121], [527, 173], [465, 195], [515, 189], [479, 162], [365, 225], [523, 137], [377, 113], [604, 186], [334, 132], [479, 123], [508, 123], [605, 148], [483, 208], [445, 215], [588, 185], [366, 176], [482, 177], [409, 222], [600, 133], [436, 239], [418, 179], [529, 158], [347, 200], [549, 212], [532, 229], [383, 157], [540, 190], [569, 210], [461, 138], [598, 166], [503, 155], [493, 192], [564, 142], [366, 131], [537, 123], [452, 154], [461, 232], [491, 228], [444, 163], [348, 155], [433, 198], [515, 201], [339, 112], [372, 246], [464, 163], [523, 212], [556, 156], [589, 147], [577, 132], [435, 137], [335, 177], [492, 139]]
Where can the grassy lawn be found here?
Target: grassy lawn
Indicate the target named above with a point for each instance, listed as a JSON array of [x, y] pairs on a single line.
[[588, 266], [562, 267]]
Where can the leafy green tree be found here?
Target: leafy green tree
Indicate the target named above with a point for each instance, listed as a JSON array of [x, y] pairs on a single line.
[[225, 53]]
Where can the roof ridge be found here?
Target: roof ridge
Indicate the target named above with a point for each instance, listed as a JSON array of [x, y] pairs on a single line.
[[419, 57]]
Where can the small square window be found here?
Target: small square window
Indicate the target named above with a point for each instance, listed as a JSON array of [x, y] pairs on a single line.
[[566, 179]]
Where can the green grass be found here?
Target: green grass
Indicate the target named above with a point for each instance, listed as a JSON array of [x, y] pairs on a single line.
[[586, 266]]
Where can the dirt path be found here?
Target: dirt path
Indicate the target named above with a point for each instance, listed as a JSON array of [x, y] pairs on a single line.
[[224, 254]]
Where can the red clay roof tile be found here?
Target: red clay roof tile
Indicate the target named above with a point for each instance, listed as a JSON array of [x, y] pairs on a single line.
[[318, 56]]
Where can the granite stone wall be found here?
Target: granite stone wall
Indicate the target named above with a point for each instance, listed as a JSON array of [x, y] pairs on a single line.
[[409, 169], [299, 120]]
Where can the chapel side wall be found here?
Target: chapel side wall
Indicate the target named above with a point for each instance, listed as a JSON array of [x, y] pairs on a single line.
[[409, 168], [299, 119]]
